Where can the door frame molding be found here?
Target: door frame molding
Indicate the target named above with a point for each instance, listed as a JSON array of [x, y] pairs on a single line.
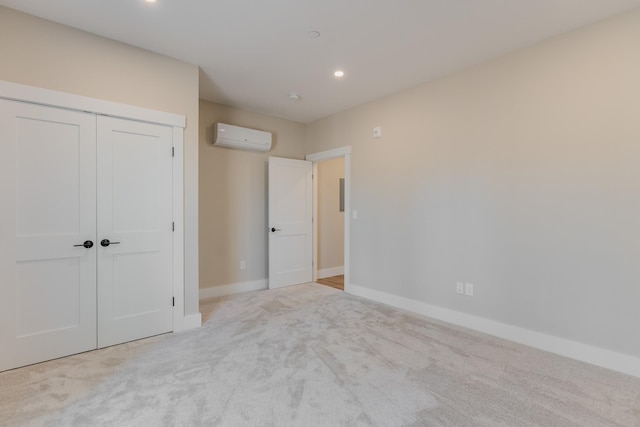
[[69, 101], [35, 95], [336, 153]]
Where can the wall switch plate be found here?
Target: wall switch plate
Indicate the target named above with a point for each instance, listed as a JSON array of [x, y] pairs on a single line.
[[377, 132], [460, 287], [354, 215], [468, 289], [243, 265]]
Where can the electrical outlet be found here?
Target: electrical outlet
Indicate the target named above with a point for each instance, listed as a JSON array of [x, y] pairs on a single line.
[[468, 289], [460, 287], [243, 265]]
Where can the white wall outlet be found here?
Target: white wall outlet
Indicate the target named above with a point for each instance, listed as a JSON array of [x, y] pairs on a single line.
[[243, 265], [377, 132], [354, 214], [468, 289], [460, 287]]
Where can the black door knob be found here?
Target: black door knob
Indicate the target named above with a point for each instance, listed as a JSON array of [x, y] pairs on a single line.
[[106, 242], [87, 244], [273, 229]]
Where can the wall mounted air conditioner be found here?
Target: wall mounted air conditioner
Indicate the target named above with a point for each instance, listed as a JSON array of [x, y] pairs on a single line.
[[243, 138]]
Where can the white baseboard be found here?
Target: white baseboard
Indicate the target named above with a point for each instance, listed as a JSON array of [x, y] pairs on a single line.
[[330, 272], [594, 355], [234, 288], [191, 321]]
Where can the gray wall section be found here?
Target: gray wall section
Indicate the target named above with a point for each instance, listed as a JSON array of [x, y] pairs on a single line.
[[521, 176]]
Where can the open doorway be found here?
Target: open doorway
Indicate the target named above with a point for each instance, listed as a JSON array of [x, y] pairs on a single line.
[[330, 223], [331, 205]]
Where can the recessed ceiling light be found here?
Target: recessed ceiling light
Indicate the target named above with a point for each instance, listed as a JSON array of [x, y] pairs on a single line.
[[150, 1], [314, 34], [294, 96], [339, 73]]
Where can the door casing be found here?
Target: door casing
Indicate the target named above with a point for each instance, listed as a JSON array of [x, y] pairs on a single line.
[[336, 153]]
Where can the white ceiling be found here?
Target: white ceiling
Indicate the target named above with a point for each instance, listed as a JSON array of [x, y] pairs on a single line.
[[253, 53]]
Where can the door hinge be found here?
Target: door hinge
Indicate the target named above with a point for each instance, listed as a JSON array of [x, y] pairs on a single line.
[[173, 302], [173, 226], [173, 151]]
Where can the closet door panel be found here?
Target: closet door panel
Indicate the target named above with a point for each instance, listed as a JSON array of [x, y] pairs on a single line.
[[135, 215], [48, 193]]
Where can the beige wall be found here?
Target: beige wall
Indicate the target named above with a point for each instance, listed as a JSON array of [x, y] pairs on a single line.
[[521, 176], [45, 54], [233, 190], [330, 219]]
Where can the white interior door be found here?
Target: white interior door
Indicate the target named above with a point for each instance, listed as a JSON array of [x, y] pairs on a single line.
[[47, 209], [134, 237], [290, 222]]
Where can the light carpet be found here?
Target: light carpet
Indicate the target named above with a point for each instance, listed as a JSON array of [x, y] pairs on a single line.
[[310, 355]]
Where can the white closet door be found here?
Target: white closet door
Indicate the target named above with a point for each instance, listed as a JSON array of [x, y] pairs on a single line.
[[48, 206], [135, 216]]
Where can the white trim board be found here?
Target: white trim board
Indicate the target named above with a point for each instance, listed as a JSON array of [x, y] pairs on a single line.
[[191, 321], [234, 288], [335, 153], [181, 321], [330, 272], [52, 98], [585, 353]]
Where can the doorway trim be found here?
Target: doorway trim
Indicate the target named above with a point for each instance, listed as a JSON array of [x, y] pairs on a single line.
[[336, 153]]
